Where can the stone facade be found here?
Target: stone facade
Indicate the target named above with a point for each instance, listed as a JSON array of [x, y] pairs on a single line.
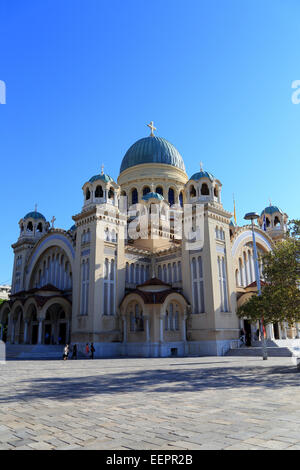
[[155, 295]]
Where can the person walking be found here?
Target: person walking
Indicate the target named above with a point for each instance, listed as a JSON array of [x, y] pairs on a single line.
[[74, 354], [92, 350], [66, 352], [87, 349]]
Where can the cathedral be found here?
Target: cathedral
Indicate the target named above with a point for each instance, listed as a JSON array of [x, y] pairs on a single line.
[[128, 275]]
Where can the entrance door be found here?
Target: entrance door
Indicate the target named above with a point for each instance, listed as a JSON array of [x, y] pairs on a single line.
[[62, 333], [247, 328], [48, 333], [34, 334], [276, 331]]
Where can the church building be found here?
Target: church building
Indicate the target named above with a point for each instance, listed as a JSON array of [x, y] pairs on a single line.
[[132, 285]]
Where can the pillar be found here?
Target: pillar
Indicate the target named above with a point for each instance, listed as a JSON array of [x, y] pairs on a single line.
[[161, 329], [184, 328], [40, 332], [124, 329], [147, 330], [26, 331]]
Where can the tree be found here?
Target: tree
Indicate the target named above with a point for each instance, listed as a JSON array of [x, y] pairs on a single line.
[[280, 298]]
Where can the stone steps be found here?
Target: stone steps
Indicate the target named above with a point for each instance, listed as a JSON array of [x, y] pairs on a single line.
[[38, 351], [257, 351]]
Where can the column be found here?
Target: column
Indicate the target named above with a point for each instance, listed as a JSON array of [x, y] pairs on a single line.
[[1, 332], [40, 320], [147, 330], [12, 338], [161, 329], [183, 328], [26, 331], [124, 329]]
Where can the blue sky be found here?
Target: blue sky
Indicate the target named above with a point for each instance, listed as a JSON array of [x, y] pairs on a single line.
[[84, 77]]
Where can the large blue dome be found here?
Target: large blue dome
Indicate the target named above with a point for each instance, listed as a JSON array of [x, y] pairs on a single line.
[[152, 150]]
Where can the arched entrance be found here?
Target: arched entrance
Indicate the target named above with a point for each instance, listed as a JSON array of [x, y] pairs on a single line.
[[4, 323], [56, 325]]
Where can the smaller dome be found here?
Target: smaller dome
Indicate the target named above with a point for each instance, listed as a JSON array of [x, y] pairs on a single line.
[[271, 210], [102, 177], [151, 195], [73, 228], [202, 174], [34, 215]]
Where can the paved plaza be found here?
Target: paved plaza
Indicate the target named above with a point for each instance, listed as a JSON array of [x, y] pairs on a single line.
[[158, 404]]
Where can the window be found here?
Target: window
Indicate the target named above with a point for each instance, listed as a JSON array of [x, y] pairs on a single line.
[[197, 285], [193, 191], [87, 194], [159, 190], [85, 280], [134, 196], [136, 318], [172, 318], [223, 284], [146, 190], [109, 275], [181, 199], [99, 191], [111, 194], [171, 196], [204, 190]]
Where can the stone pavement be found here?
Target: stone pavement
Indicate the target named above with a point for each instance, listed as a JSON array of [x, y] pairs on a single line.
[[157, 404]]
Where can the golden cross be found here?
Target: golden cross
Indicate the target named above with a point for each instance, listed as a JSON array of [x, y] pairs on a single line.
[[152, 128], [52, 221]]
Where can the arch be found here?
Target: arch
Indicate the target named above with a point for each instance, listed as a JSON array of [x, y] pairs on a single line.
[[99, 191], [146, 190], [192, 191], [54, 240], [171, 196], [61, 301], [245, 236], [134, 196], [159, 190], [204, 189], [128, 299], [87, 194]]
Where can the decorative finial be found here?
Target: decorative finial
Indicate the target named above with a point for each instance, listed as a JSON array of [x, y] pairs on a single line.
[[201, 166], [270, 202], [52, 221], [102, 169], [35, 208], [151, 125]]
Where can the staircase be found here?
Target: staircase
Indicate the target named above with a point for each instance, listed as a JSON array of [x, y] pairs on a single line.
[[255, 350], [37, 351]]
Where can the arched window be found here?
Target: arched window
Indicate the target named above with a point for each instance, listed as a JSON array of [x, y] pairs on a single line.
[[134, 196], [29, 226], [267, 222], [181, 199], [159, 190], [216, 191], [146, 190], [39, 227], [204, 190], [171, 196], [193, 191], [276, 221], [99, 191], [87, 194], [111, 193]]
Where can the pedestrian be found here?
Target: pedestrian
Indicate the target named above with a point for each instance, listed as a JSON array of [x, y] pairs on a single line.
[[74, 354], [87, 349], [66, 352], [92, 351], [243, 336]]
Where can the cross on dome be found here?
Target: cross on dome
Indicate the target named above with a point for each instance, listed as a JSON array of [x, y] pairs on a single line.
[[35, 208], [102, 169], [52, 221], [201, 166], [151, 125]]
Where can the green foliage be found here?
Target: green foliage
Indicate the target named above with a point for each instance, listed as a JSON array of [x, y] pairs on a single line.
[[280, 299]]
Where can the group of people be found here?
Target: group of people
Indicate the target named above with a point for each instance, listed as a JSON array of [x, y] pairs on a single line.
[[245, 336], [89, 351]]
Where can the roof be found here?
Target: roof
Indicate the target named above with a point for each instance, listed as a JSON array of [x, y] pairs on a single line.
[[102, 177], [34, 215], [151, 195], [202, 174], [271, 210], [152, 149], [154, 281]]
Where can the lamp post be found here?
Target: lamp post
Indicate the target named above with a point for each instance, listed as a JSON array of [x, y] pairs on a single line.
[[254, 216]]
